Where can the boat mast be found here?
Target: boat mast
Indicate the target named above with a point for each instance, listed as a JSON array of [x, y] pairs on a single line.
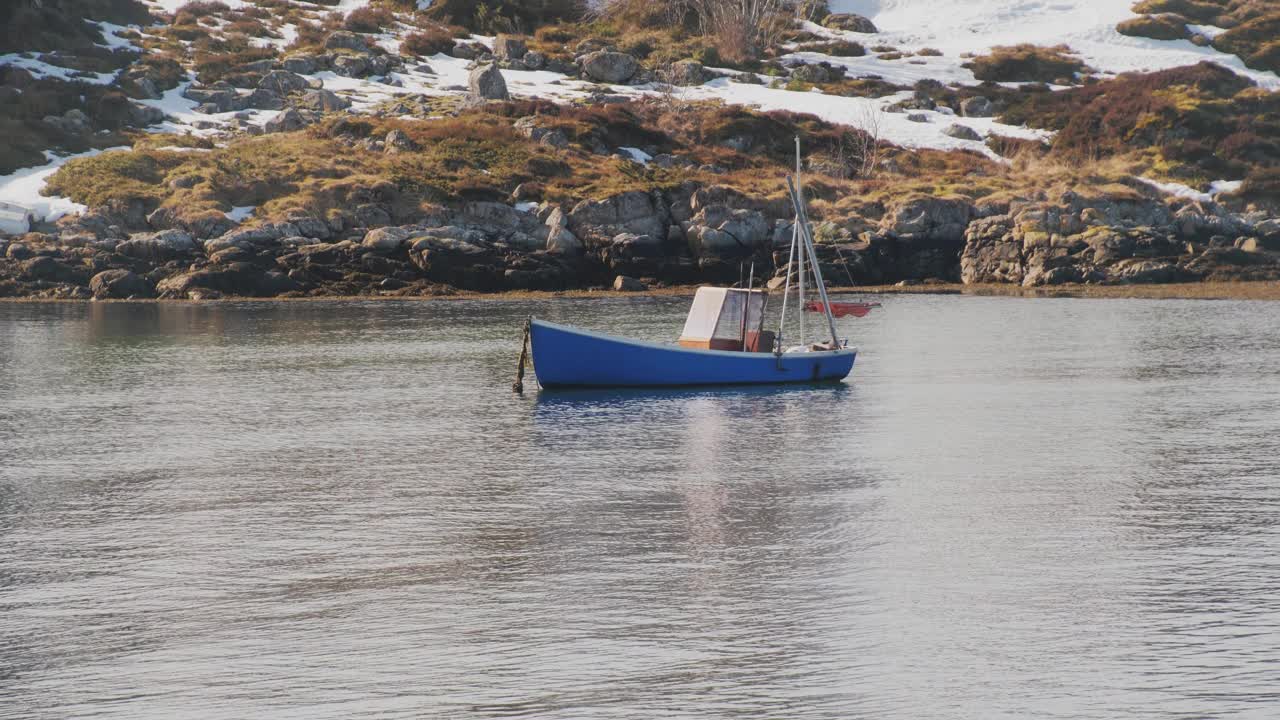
[[807, 240], [786, 290], [795, 229]]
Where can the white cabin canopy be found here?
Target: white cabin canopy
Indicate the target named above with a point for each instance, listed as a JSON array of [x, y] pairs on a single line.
[[717, 314]]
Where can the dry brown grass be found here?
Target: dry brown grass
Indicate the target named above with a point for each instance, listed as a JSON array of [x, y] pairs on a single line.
[[192, 12], [428, 41], [480, 156], [1166, 26], [1028, 63], [1200, 122], [369, 19], [509, 16]]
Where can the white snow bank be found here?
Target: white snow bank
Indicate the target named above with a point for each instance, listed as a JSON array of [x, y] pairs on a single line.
[[1088, 26], [40, 69], [241, 213], [182, 116], [1177, 189], [907, 71], [13, 219], [637, 155], [1208, 31], [23, 187], [110, 37], [1219, 187], [864, 113]]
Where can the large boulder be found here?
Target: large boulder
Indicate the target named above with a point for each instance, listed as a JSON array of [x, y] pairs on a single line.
[[322, 101], [560, 240], [120, 284], [263, 99], [1201, 221], [457, 262], [238, 278], [923, 219], [214, 98], [609, 67], [1138, 270], [1269, 229], [140, 115], [43, 267], [630, 212], [158, 247], [304, 64], [354, 66], [817, 73], [496, 215], [386, 240], [72, 122], [849, 22], [310, 227], [485, 82], [720, 232], [977, 107], [961, 132], [283, 82], [510, 47], [531, 127], [991, 253], [398, 141], [288, 121], [345, 40], [631, 254], [262, 236], [687, 73], [624, 283]]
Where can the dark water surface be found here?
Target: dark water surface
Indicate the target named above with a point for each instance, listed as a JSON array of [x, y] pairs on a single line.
[[1014, 509]]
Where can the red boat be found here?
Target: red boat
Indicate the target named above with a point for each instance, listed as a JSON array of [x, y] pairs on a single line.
[[843, 309]]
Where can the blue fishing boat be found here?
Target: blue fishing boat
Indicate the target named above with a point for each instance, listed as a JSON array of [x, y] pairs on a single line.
[[568, 357], [723, 343]]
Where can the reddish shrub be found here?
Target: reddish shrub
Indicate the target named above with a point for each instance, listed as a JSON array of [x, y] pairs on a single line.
[[190, 13], [428, 41], [1026, 63], [369, 20]]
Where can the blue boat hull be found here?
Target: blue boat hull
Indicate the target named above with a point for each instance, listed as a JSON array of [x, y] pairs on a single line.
[[568, 357]]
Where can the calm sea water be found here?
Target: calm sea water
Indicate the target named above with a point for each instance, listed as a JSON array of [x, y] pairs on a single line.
[[1014, 509]]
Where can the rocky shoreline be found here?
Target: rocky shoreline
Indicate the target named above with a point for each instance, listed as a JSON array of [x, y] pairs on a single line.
[[635, 240]]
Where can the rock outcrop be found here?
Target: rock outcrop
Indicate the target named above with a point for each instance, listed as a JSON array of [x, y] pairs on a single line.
[[486, 83], [1097, 240], [608, 67], [849, 22]]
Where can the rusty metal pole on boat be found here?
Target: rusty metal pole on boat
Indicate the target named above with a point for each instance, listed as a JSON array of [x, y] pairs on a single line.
[[518, 386]]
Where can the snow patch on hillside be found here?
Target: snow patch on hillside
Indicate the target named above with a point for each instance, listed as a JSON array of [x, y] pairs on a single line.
[[1088, 26], [23, 188], [40, 69], [864, 113]]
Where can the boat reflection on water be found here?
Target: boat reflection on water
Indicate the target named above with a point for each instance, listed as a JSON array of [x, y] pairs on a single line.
[[553, 404]]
